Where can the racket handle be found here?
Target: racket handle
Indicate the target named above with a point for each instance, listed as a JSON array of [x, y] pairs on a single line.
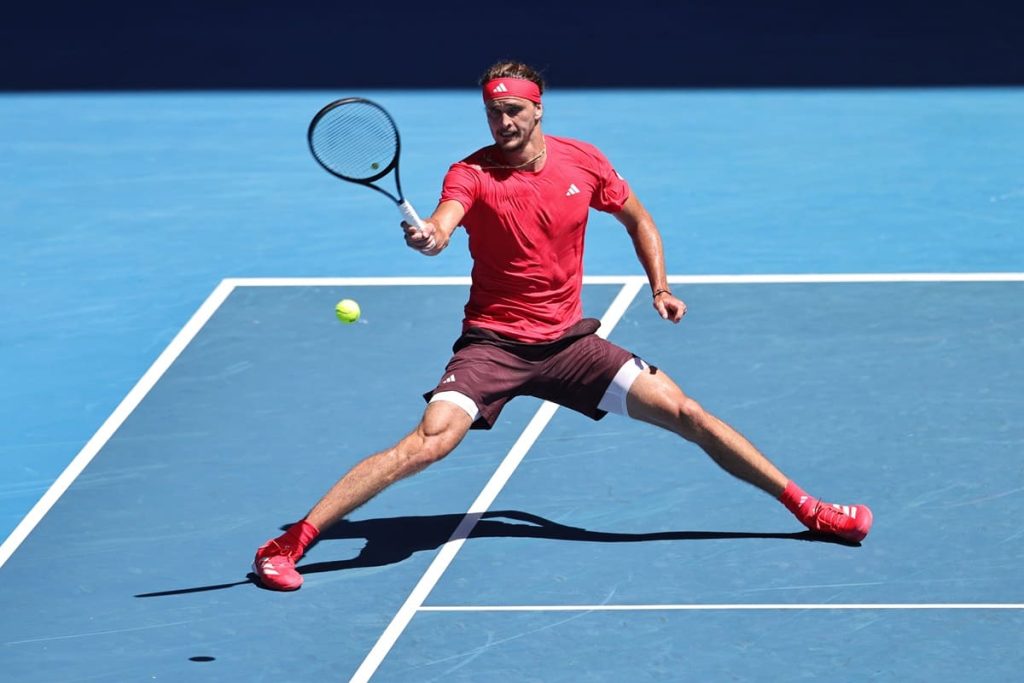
[[410, 215]]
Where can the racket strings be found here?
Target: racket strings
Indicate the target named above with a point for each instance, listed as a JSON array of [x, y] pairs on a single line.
[[355, 140]]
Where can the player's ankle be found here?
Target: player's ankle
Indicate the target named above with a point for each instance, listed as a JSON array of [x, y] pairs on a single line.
[[797, 500], [298, 538]]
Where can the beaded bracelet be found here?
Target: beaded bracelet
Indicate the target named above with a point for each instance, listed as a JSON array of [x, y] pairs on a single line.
[[660, 291]]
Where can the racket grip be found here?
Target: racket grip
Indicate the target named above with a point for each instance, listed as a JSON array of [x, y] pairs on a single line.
[[409, 214]]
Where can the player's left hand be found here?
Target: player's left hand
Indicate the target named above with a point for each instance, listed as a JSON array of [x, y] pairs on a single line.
[[669, 307]]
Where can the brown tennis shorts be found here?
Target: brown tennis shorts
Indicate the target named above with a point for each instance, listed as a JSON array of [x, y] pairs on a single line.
[[574, 370]]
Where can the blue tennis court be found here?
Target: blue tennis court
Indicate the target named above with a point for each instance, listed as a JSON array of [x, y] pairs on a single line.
[[853, 265]]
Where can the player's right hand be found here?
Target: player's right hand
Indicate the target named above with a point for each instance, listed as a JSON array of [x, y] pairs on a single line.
[[422, 239]]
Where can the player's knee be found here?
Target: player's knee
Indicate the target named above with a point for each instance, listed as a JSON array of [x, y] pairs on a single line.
[[432, 449], [691, 417], [433, 440], [417, 452]]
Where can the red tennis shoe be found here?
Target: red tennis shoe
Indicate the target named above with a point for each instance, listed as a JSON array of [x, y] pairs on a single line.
[[849, 522], [275, 566]]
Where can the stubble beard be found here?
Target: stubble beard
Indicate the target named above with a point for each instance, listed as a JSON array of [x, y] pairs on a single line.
[[516, 144]]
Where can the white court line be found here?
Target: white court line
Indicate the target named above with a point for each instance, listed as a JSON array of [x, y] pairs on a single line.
[[116, 419], [483, 501], [725, 607], [400, 281], [765, 279], [220, 293], [838, 278]]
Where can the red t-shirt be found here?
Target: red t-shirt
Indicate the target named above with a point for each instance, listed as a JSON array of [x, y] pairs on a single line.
[[526, 235]]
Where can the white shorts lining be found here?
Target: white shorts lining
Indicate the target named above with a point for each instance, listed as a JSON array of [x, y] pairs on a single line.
[[614, 399], [459, 399]]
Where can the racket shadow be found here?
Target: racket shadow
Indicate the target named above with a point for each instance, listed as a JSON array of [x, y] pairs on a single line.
[[394, 539]]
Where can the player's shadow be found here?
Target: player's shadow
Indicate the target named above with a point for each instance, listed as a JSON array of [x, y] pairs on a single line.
[[394, 539]]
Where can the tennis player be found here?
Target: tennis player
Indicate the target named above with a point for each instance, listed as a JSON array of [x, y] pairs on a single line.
[[524, 202]]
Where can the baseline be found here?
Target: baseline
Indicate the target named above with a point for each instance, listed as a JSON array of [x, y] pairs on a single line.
[[722, 607]]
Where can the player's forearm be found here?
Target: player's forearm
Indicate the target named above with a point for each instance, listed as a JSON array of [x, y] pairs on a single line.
[[650, 251], [646, 241], [445, 220]]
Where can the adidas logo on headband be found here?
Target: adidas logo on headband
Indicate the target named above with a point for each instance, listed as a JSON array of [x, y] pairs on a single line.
[[507, 86]]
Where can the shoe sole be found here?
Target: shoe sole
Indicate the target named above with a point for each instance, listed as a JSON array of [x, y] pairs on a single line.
[[274, 587]]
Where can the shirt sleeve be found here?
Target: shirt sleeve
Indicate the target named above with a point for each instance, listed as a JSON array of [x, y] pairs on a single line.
[[612, 189], [460, 184]]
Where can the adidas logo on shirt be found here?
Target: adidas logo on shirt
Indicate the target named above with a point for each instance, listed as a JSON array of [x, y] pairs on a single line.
[[449, 379], [572, 190], [499, 88]]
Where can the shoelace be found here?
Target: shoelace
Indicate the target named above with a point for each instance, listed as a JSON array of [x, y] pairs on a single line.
[[273, 548], [826, 516]]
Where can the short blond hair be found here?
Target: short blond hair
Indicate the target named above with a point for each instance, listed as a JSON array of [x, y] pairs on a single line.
[[512, 69]]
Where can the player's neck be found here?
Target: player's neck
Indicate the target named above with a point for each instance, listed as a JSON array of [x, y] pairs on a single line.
[[529, 158]]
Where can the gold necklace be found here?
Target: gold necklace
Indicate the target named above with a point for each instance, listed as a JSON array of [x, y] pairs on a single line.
[[542, 152]]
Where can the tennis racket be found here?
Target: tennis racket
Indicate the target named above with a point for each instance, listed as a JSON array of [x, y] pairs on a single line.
[[356, 140]]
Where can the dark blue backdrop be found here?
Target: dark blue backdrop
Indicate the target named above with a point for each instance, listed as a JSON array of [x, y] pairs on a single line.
[[322, 44]]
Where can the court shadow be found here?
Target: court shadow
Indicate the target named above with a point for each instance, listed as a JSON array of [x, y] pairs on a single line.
[[394, 539]]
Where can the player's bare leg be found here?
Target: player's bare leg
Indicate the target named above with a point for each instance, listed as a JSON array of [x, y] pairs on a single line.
[[442, 429], [656, 399]]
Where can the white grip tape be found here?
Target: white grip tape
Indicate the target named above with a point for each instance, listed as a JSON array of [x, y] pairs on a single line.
[[410, 215]]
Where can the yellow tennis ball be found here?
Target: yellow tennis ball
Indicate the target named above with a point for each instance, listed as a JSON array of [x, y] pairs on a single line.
[[347, 311]]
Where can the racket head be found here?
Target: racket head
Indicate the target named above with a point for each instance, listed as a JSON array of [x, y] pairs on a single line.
[[355, 139]]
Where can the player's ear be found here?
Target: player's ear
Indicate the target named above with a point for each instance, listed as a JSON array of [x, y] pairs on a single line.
[[538, 112]]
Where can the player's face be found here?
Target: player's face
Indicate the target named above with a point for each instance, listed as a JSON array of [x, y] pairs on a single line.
[[512, 121]]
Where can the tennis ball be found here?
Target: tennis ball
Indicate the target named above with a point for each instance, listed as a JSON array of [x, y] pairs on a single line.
[[347, 311], [375, 166]]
